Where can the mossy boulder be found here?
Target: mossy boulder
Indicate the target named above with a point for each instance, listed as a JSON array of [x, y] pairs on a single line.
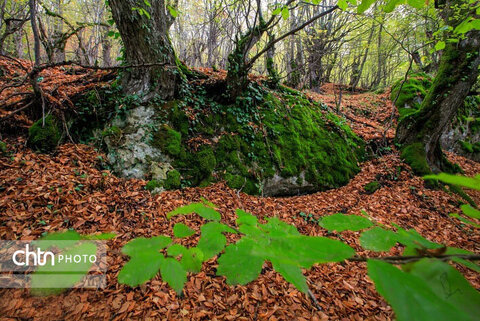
[[3, 147], [408, 95], [44, 135], [270, 142]]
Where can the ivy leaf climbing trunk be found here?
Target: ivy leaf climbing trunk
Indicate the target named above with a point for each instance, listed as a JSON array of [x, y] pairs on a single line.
[[419, 134], [144, 27]]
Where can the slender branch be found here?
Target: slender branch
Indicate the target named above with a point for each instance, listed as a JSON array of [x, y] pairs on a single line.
[[291, 32]]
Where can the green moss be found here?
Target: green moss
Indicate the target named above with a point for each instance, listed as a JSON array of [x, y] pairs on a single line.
[[169, 140], [414, 155], [416, 86], [371, 187], [3, 147], [263, 133], [173, 180], [44, 138], [153, 184], [206, 160]]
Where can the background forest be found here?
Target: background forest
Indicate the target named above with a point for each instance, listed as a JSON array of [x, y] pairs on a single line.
[[242, 159]]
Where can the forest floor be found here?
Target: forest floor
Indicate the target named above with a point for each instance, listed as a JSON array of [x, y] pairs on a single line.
[[42, 193]]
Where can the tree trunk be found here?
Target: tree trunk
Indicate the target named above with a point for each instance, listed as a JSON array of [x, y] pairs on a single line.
[[36, 37], [145, 39], [420, 133]]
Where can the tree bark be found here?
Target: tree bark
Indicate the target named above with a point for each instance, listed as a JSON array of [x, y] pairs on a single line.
[[145, 39], [419, 134], [36, 37]]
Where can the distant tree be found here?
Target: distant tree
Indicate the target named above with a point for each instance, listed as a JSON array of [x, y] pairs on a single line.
[[419, 134]]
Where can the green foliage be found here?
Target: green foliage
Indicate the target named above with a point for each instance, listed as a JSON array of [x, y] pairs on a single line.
[[181, 230], [378, 239], [153, 184], [414, 155], [371, 187], [433, 290], [44, 137], [341, 222], [462, 181], [173, 180], [202, 209], [3, 147]]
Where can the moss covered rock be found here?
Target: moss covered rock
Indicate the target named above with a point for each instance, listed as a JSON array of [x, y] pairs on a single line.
[[44, 136], [408, 95], [270, 142]]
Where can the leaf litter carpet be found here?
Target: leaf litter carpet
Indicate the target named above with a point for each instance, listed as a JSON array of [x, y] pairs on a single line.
[[46, 193]]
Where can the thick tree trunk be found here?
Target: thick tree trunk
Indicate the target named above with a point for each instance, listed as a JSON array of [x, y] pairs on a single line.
[[145, 39], [420, 133]]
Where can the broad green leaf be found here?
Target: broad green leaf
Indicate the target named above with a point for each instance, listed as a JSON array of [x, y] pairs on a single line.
[[341, 222], [292, 274], [245, 218], [140, 268], [191, 260], [464, 220], [238, 264], [145, 245], [204, 211], [466, 263], [303, 250], [102, 236], [212, 241], [391, 4], [173, 273], [440, 45], [448, 284], [173, 11], [277, 11], [417, 4], [285, 13], [378, 239], [276, 227], [469, 182], [470, 211], [53, 279], [412, 238], [342, 4], [410, 296], [181, 230], [364, 5]]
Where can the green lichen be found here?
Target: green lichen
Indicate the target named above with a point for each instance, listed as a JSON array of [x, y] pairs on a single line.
[[371, 187], [44, 137], [414, 155]]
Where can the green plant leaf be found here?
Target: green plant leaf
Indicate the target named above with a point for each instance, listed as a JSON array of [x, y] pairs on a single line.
[[391, 4], [204, 211], [364, 5], [469, 182], [417, 4], [449, 285], [342, 4], [145, 245], [410, 296], [212, 241], [181, 230], [412, 238], [140, 268], [292, 274], [238, 264], [466, 263], [470, 211], [378, 239], [173, 273], [341, 222], [285, 13], [440, 45], [245, 218]]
